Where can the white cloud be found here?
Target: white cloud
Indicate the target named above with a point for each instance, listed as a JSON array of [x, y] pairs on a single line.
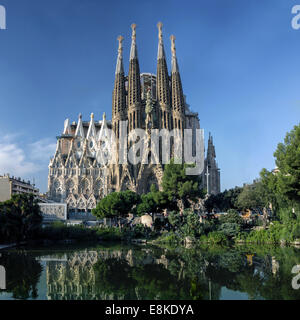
[[42, 150], [25, 161], [13, 160]]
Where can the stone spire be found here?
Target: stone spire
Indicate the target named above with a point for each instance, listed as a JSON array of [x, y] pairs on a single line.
[[92, 129], [175, 67], [212, 171], [178, 102], [211, 153], [79, 129], [162, 83], [119, 93], [134, 85], [67, 128], [133, 49], [161, 50], [119, 66]]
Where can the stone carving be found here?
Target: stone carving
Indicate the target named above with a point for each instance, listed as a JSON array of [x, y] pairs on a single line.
[[53, 211]]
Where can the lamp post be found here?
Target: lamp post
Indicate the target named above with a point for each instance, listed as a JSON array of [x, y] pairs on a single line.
[[207, 179]]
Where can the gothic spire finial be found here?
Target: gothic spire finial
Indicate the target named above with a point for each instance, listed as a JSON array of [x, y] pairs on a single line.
[[91, 130], [120, 39], [173, 48], [161, 51], [133, 50], [67, 128], [174, 59], [79, 129], [133, 27], [119, 66], [159, 26]]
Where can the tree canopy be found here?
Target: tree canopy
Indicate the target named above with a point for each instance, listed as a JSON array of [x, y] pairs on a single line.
[[153, 201], [287, 160], [251, 197], [117, 204], [20, 217], [223, 201], [180, 186]]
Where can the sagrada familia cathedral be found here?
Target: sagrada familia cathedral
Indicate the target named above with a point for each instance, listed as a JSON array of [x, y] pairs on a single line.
[[78, 174]]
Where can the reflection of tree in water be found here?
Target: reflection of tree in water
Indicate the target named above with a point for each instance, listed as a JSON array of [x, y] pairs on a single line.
[[113, 277], [156, 274], [127, 274], [267, 277], [22, 274], [153, 273], [277, 285], [149, 281]]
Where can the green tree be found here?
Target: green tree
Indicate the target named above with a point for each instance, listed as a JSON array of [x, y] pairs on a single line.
[[155, 201], [20, 217], [232, 216], [116, 204], [271, 193], [186, 224], [230, 229], [223, 201], [288, 162], [251, 197], [175, 219], [180, 186]]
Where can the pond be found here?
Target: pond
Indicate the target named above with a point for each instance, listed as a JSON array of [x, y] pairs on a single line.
[[113, 271]]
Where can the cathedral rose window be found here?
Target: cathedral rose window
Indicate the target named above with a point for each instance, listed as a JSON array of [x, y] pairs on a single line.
[[56, 184]]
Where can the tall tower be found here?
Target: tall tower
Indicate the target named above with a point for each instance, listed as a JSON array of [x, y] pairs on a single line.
[[134, 86], [162, 85], [119, 110], [178, 103], [211, 170]]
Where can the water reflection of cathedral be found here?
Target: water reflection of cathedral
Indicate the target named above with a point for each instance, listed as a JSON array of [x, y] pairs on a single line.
[[72, 277]]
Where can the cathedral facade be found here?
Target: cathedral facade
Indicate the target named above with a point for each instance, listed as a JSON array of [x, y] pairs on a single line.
[[80, 174]]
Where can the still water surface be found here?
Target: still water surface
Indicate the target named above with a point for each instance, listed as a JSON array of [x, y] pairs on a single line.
[[146, 272]]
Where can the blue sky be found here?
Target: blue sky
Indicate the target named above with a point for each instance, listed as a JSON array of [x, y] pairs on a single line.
[[239, 63]]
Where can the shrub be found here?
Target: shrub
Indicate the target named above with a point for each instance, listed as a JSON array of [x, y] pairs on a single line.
[[277, 232], [169, 237], [214, 237], [230, 229], [232, 216]]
